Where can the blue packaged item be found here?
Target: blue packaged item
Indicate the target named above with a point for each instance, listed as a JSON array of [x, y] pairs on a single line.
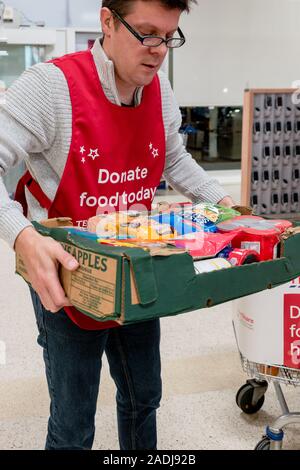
[[178, 224], [225, 252], [82, 233], [186, 222], [210, 227], [200, 220]]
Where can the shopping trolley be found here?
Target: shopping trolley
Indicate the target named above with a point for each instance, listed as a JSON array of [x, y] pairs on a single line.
[[256, 358], [251, 396]]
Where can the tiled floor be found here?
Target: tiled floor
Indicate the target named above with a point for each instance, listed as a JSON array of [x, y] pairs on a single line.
[[201, 374]]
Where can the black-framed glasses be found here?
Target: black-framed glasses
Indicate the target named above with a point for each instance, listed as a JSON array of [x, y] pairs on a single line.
[[150, 40]]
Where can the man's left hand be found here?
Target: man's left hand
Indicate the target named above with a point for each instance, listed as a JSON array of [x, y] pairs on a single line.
[[227, 202]]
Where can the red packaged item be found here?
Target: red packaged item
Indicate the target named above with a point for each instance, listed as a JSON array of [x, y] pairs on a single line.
[[254, 222], [256, 233], [204, 244]]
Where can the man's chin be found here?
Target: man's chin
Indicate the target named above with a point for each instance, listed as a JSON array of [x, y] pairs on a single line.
[[145, 80]]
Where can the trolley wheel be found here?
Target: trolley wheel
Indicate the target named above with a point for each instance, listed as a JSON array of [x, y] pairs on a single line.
[[264, 444], [244, 399]]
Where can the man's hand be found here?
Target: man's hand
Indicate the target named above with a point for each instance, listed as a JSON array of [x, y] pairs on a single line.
[[41, 256], [227, 202]]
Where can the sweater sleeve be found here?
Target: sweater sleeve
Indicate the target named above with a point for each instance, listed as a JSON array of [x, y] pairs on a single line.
[[181, 171], [27, 126]]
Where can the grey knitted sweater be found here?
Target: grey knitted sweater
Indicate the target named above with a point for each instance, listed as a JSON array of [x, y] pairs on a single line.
[[35, 127]]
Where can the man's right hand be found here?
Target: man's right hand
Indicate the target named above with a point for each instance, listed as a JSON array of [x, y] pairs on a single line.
[[41, 256]]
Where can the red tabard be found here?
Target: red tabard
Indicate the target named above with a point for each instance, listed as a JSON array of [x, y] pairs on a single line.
[[116, 157]]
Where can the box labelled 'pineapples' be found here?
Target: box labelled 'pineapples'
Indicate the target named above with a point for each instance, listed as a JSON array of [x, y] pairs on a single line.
[[129, 285], [97, 287]]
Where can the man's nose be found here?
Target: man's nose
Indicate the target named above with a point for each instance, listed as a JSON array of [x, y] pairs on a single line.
[[161, 50]]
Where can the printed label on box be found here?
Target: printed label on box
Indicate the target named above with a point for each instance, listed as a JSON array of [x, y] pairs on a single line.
[[92, 287]]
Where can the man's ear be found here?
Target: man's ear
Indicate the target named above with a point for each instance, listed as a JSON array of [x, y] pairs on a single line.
[[106, 21]]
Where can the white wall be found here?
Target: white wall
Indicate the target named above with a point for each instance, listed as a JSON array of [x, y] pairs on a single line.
[[83, 13], [236, 44]]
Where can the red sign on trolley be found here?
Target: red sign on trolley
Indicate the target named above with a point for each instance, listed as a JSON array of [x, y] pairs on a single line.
[[292, 330]]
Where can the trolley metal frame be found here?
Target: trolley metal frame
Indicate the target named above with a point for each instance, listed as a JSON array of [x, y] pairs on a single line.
[[250, 398]]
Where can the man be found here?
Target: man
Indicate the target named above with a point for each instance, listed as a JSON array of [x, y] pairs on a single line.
[[71, 119]]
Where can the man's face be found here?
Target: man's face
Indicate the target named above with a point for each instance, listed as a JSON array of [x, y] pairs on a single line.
[[136, 64]]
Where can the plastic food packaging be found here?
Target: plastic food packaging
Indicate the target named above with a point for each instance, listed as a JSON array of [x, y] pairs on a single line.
[[187, 218], [254, 222], [204, 245], [130, 225], [180, 225], [214, 212]]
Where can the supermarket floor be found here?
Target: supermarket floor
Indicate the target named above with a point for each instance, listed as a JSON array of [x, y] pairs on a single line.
[[201, 374]]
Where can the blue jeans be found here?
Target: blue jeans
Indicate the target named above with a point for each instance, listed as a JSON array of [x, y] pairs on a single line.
[[73, 359]]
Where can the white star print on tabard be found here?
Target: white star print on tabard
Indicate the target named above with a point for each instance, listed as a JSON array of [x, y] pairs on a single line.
[[153, 151], [83, 160], [94, 154], [82, 150]]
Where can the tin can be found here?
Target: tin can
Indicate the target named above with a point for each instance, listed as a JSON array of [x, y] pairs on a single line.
[[212, 264]]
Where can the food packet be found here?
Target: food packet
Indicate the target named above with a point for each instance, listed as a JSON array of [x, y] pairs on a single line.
[[212, 212]]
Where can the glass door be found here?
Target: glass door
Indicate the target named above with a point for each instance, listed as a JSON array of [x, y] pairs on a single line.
[[14, 59]]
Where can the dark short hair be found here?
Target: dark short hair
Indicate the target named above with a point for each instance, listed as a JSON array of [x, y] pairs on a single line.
[[123, 7]]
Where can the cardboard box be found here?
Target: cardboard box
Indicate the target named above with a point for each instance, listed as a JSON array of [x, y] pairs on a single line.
[[129, 285]]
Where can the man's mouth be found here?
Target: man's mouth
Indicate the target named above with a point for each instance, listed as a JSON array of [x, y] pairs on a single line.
[[150, 66]]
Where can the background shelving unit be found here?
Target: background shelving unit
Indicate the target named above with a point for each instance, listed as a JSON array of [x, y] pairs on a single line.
[[271, 152]]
